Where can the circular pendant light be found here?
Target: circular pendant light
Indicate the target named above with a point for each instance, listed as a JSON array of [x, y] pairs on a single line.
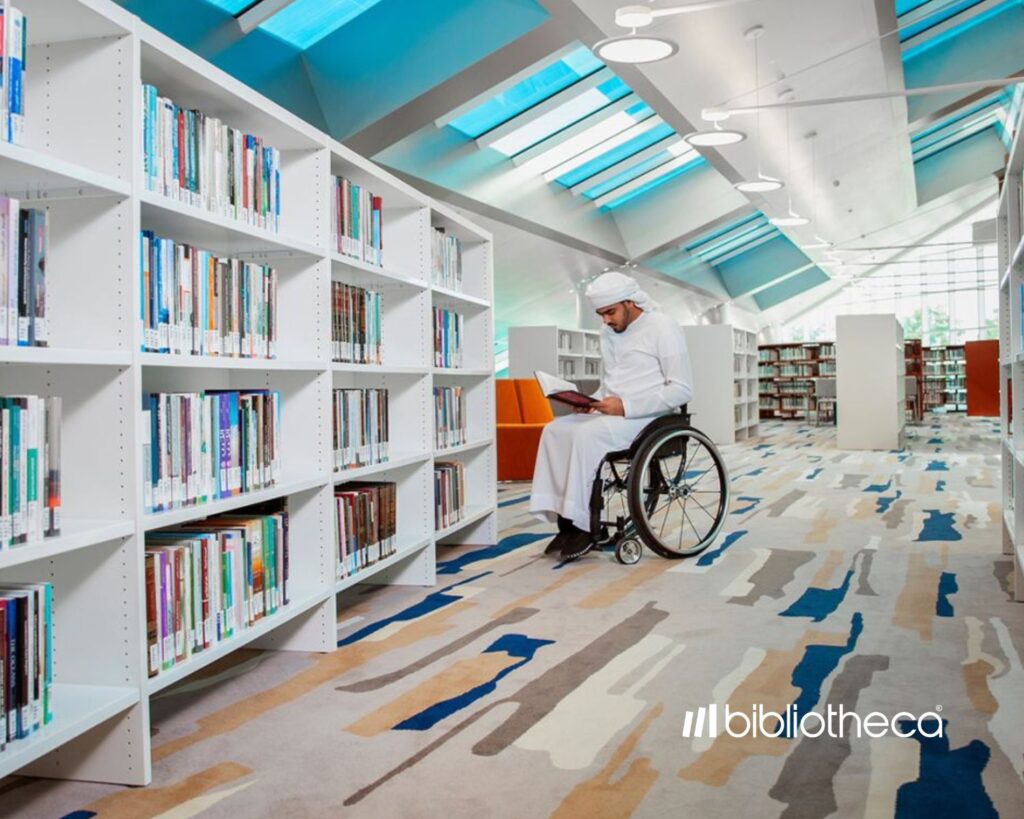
[[715, 137], [790, 220], [635, 49], [763, 184]]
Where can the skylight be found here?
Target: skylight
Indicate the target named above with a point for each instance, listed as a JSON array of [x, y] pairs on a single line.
[[613, 154], [527, 93], [990, 112], [944, 13], [955, 31], [644, 183], [907, 6], [305, 22], [550, 123], [231, 6], [635, 171]]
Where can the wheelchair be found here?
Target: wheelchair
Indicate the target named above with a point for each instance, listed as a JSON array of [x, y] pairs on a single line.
[[669, 492]]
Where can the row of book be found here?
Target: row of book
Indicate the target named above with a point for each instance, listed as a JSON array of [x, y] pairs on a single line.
[[210, 580], [13, 42], [366, 517], [199, 160], [449, 417], [24, 239], [449, 493], [196, 303], [26, 659], [449, 331], [30, 473], [445, 259], [360, 426], [357, 319], [357, 221], [199, 447]]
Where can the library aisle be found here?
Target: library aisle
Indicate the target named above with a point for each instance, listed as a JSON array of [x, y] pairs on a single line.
[[525, 687]]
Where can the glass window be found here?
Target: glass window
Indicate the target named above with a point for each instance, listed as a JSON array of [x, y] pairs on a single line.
[[305, 22]]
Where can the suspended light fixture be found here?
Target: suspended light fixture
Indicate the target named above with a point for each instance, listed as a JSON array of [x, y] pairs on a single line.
[[793, 219], [714, 138], [634, 49], [763, 183]]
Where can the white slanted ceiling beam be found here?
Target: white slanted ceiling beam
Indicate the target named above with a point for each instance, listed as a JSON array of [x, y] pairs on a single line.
[[564, 97], [608, 173], [643, 179], [633, 129], [259, 12]]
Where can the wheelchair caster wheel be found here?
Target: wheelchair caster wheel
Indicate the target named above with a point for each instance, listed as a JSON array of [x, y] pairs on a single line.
[[628, 551]]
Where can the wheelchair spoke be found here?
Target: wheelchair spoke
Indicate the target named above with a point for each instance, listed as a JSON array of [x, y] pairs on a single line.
[[702, 506], [695, 532]]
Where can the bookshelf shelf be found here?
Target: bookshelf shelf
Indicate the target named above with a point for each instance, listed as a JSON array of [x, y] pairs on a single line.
[[97, 564], [228, 363], [384, 273], [172, 517], [377, 369], [82, 707], [472, 515], [401, 553], [572, 354], [456, 372], [399, 462], [61, 356], [467, 447], [262, 627], [75, 534], [454, 295], [33, 176], [218, 234]]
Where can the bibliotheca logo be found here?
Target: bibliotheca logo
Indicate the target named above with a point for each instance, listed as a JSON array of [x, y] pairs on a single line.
[[837, 723]]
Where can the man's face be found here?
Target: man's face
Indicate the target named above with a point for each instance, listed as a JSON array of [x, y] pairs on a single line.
[[618, 316]]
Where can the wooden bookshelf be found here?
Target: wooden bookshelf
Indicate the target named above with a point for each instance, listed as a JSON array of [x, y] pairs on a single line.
[[786, 374], [913, 357], [945, 378], [88, 171]]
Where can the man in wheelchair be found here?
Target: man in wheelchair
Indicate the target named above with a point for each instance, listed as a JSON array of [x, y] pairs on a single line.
[[646, 374]]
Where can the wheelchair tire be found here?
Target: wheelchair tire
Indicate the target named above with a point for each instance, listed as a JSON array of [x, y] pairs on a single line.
[[655, 499]]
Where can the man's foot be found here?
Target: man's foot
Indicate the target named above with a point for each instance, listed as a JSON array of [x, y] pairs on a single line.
[[576, 544], [565, 527]]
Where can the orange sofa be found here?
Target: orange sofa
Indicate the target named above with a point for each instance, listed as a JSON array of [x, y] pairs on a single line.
[[522, 412]]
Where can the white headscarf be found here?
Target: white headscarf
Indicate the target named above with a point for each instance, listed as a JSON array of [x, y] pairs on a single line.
[[613, 287]]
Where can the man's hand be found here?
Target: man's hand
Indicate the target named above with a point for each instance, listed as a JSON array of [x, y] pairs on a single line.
[[612, 405]]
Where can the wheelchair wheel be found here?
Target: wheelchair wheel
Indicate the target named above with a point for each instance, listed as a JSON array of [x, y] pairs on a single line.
[[628, 551], [678, 492]]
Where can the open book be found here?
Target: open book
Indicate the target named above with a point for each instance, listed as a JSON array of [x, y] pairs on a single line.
[[558, 389]]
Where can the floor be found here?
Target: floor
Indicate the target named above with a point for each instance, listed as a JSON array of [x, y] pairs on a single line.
[[522, 687]]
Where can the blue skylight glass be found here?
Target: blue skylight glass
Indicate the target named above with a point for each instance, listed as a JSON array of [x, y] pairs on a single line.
[[305, 22], [905, 6], [551, 122], [654, 183], [628, 175], [707, 238], [944, 13], [957, 117], [956, 31], [230, 6], [616, 155], [527, 93], [758, 229]]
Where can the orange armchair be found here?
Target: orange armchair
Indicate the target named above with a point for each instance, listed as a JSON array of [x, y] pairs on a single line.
[[522, 413]]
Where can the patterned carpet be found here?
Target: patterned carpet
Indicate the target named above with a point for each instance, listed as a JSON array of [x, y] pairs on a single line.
[[521, 687]]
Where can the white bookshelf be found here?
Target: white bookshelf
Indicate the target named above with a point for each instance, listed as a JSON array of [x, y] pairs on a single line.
[[870, 382], [82, 160], [570, 353], [725, 400], [1010, 236]]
